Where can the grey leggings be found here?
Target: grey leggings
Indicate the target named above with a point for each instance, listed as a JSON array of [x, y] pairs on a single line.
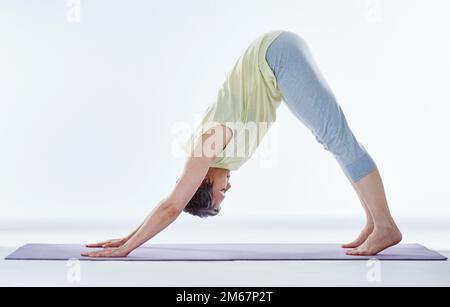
[[311, 100]]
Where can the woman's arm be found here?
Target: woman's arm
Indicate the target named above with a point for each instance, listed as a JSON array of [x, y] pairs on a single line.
[[113, 242], [170, 208]]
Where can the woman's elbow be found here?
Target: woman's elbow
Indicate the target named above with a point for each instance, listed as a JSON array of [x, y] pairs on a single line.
[[173, 210]]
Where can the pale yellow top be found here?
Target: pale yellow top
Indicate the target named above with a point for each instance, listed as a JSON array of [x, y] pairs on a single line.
[[246, 103]]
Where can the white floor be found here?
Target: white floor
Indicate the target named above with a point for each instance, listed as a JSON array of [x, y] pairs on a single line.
[[433, 234]]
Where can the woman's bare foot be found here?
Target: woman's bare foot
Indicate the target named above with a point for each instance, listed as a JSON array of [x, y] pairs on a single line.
[[367, 231], [379, 240]]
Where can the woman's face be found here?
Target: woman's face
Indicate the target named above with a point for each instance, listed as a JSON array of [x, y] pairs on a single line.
[[221, 184]]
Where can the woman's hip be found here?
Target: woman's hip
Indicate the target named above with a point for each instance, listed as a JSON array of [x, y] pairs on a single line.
[[285, 52]]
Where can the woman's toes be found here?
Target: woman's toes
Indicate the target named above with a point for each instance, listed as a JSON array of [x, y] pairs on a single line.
[[354, 244], [361, 239], [358, 252], [349, 245], [362, 253], [352, 252]]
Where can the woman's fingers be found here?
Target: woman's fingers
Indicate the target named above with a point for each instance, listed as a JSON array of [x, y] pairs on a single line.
[[95, 245], [96, 254], [115, 243], [105, 244], [113, 252]]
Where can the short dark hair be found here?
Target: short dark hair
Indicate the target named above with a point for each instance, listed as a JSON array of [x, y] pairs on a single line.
[[201, 203]]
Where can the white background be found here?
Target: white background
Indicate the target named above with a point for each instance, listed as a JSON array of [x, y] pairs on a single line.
[[87, 109]]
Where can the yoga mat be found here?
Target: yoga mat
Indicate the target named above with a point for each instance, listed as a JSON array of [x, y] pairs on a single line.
[[224, 252]]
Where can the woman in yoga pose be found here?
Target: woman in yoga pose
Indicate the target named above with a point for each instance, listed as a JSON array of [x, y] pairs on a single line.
[[277, 66]]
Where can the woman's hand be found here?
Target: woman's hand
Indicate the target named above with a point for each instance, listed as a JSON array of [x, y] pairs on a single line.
[[109, 244], [107, 253]]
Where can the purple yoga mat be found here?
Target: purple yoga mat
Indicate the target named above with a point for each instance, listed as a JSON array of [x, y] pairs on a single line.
[[224, 252]]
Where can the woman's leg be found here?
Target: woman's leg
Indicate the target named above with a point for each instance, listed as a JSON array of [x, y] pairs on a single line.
[[385, 233], [307, 94], [368, 229]]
